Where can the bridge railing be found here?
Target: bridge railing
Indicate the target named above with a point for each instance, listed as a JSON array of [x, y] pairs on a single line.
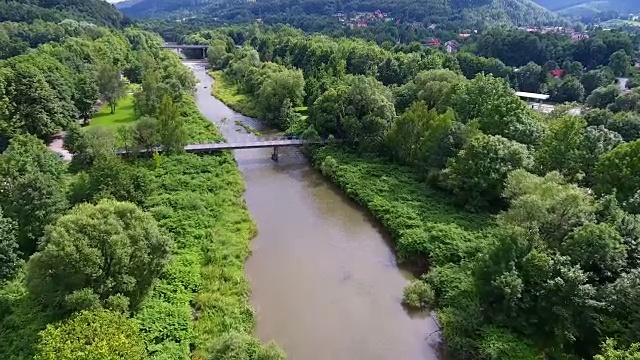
[[291, 137]]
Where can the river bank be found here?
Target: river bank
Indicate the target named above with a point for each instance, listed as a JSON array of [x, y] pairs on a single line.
[[202, 301], [323, 276]]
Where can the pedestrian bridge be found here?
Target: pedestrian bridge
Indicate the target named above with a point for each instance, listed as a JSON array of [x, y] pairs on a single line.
[[257, 143]]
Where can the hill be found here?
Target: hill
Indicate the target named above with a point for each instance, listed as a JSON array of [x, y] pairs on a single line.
[[518, 12], [593, 6], [95, 11]]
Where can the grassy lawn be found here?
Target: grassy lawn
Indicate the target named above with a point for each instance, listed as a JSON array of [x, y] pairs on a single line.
[[124, 114]]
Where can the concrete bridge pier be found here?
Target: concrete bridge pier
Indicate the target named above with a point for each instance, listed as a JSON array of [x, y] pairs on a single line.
[[274, 156]]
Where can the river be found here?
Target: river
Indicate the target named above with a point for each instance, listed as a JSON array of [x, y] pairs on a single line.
[[324, 279]]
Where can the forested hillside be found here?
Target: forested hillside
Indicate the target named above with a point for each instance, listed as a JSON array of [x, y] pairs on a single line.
[[469, 12], [95, 11], [623, 6]]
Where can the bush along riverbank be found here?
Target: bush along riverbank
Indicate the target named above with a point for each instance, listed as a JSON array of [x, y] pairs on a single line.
[[429, 232], [228, 93]]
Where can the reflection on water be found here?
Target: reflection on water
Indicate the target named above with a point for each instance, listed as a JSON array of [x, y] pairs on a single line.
[[325, 283]]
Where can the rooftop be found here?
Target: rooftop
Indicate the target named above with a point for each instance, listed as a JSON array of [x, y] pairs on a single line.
[[529, 95]]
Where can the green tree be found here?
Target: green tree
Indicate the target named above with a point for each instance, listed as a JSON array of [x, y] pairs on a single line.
[[597, 117], [172, 133], [567, 90], [86, 94], [626, 124], [620, 63], [611, 352], [617, 171], [530, 77], [435, 87], [217, 55], [562, 147], [477, 174], [89, 144], [92, 335], [110, 177], [278, 86], [475, 98], [629, 101], [32, 188], [533, 291], [112, 248], [597, 141], [603, 96], [145, 133], [34, 107], [598, 249], [416, 134], [547, 206], [9, 253], [623, 296], [594, 79], [360, 111], [110, 85]]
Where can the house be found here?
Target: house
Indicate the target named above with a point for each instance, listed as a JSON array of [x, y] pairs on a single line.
[[362, 24], [451, 46], [576, 36], [433, 42], [464, 35], [557, 73]]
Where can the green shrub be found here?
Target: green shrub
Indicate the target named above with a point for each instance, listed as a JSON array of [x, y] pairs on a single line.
[[418, 295], [237, 346], [92, 335], [328, 166], [500, 344]]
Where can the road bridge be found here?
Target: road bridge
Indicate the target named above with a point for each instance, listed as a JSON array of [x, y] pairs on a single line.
[[274, 142], [202, 47]]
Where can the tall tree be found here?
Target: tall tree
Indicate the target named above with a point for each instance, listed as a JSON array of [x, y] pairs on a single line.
[[171, 126], [85, 95], [617, 171], [110, 85], [32, 188], [477, 174], [9, 253], [112, 248], [620, 63], [562, 147]]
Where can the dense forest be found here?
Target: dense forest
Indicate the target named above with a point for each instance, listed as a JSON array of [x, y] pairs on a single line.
[[447, 14], [95, 11], [525, 224]]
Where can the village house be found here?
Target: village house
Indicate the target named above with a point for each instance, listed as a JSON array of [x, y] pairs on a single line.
[[451, 46], [433, 42]]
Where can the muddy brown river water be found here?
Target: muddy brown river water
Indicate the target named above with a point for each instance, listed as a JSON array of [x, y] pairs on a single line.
[[324, 279]]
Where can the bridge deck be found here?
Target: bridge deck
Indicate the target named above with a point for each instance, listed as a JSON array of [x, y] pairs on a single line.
[[184, 46], [195, 148], [207, 148]]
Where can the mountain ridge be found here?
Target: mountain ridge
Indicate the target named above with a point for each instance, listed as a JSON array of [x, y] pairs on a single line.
[[621, 6]]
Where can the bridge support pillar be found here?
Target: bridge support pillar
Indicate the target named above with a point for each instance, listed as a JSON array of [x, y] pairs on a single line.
[[274, 156]]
